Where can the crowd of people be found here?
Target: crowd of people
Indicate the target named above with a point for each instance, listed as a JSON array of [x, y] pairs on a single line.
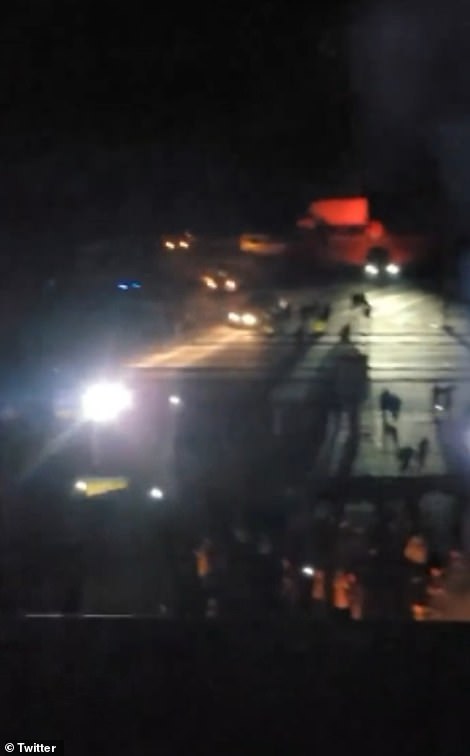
[[324, 568]]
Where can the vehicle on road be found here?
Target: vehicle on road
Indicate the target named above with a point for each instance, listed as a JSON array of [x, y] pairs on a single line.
[[262, 244], [173, 242], [221, 280], [261, 312], [379, 264]]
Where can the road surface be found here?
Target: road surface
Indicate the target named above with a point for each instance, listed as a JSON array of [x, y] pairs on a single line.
[[407, 349], [408, 352], [239, 393]]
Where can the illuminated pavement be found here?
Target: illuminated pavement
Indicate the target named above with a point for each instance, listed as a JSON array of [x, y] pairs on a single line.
[[408, 351], [407, 348], [219, 351]]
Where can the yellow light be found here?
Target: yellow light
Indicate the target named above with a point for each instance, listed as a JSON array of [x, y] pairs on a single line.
[[210, 283], [230, 285], [184, 244], [169, 245], [248, 319], [96, 486]]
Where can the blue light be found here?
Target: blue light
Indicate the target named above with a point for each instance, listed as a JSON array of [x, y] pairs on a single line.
[[122, 286], [136, 285]]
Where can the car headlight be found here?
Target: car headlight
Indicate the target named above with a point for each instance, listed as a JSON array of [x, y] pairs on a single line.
[[234, 317], [210, 283], [104, 402], [184, 244], [169, 245], [372, 270], [248, 319], [156, 493], [393, 269], [230, 285]]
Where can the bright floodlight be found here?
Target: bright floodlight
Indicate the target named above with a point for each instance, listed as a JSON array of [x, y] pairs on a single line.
[[156, 493], [393, 269], [372, 270], [80, 485], [104, 402], [175, 400]]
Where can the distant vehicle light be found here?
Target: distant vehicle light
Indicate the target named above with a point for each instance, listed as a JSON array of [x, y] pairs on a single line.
[[308, 571], [122, 286], [283, 304], [169, 245], [156, 493], [372, 270], [393, 269], [248, 319], [210, 282], [234, 317], [184, 244], [81, 485], [136, 285], [230, 284], [105, 402], [175, 400]]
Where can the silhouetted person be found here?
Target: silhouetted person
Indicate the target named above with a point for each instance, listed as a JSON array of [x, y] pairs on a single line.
[[345, 333], [367, 310], [405, 457], [384, 400], [358, 299], [422, 452], [390, 431], [395, 406]]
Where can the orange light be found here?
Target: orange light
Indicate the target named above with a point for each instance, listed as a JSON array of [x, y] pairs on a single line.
[[419, 612], [346, 211]]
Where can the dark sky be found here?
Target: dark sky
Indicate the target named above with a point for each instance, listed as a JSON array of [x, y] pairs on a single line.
[[411, 68], [163, 116]]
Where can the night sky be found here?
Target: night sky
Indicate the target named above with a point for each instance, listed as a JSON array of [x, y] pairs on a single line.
[[149, 119]]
